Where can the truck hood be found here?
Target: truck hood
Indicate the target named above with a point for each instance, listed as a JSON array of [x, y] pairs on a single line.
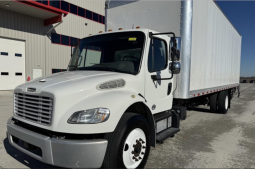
[[75, 91], [73, 80]]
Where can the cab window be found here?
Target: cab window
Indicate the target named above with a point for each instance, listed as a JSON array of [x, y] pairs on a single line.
[[157, 59]]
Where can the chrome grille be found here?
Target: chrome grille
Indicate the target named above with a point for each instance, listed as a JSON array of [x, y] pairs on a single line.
[[34, 108]]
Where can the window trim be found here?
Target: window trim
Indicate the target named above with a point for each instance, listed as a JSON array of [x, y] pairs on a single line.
[[84, 12], [59, 38], [77, 14], [74, 7], [63, 6], [90, 14], [167, 55], [94, 13], [62, 43], [54, 6], [69, 37]]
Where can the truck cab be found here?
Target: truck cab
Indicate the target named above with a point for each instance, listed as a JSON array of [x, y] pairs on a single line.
[[111, 105]]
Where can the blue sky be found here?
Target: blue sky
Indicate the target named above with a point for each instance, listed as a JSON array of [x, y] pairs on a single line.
[[242, 16]]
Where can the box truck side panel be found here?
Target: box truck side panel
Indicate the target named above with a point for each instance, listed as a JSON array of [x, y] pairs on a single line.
[[163, 16], [216, 48]]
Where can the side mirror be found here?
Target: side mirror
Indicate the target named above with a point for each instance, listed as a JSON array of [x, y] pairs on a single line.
[[176, 53], [176, 67]]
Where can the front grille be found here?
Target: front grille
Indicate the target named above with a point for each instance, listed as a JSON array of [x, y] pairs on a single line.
[[34, 108]]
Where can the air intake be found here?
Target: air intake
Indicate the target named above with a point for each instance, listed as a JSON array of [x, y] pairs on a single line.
[[113, 84]]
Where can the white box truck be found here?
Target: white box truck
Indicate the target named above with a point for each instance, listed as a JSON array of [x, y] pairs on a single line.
[[128, 88]]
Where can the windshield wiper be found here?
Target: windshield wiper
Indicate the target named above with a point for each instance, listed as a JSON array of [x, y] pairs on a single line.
[[104, 65], [76, 67]]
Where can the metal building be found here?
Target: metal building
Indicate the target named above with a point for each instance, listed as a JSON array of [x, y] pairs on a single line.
[[36, 36]]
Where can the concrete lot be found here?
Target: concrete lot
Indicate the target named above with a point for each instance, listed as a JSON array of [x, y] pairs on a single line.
[[206, 140]]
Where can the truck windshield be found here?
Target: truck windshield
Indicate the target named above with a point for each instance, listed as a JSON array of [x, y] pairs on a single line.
[[118, 52]]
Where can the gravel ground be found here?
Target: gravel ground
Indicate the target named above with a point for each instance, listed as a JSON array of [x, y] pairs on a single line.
[[206, 140]]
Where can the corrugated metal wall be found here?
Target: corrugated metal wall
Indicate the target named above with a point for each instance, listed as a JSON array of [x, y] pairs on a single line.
[[40, 52], [31, 30]]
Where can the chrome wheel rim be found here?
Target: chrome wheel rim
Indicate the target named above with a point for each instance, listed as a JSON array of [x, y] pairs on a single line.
[[134, 148]]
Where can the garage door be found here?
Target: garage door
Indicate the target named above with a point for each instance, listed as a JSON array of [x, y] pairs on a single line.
[[12, 63]]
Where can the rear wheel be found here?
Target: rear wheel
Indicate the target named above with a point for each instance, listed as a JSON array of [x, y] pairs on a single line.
[[213, 103], [223, 102], [129, 145]]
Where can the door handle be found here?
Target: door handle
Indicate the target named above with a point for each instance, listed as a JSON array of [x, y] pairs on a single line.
[[169, 88]]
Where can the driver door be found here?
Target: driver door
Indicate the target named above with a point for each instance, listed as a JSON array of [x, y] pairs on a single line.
[[158, 93]]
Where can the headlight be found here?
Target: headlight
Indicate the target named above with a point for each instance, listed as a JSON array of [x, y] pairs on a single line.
[[91, 116]]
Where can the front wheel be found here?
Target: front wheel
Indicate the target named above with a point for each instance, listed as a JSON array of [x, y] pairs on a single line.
[[129, 145]]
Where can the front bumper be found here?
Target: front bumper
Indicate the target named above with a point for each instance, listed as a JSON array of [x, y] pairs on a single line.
[[59, 152]]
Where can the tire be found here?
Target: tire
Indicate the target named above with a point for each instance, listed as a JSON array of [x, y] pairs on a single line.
[[214, 103], [223, 102], [125, 141]]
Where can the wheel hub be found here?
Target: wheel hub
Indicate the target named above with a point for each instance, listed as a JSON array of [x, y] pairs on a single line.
[[137, 148], [134, 148]]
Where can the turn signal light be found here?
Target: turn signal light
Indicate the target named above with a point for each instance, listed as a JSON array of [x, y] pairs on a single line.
[[138, 27], [120, 28], [109, 30], [100, 31]]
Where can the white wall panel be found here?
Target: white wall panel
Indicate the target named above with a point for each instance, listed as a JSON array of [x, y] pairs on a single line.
[[216, 48]]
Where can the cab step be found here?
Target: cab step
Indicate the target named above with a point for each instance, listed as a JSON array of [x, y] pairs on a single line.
[[162, 116], [161, 136]]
